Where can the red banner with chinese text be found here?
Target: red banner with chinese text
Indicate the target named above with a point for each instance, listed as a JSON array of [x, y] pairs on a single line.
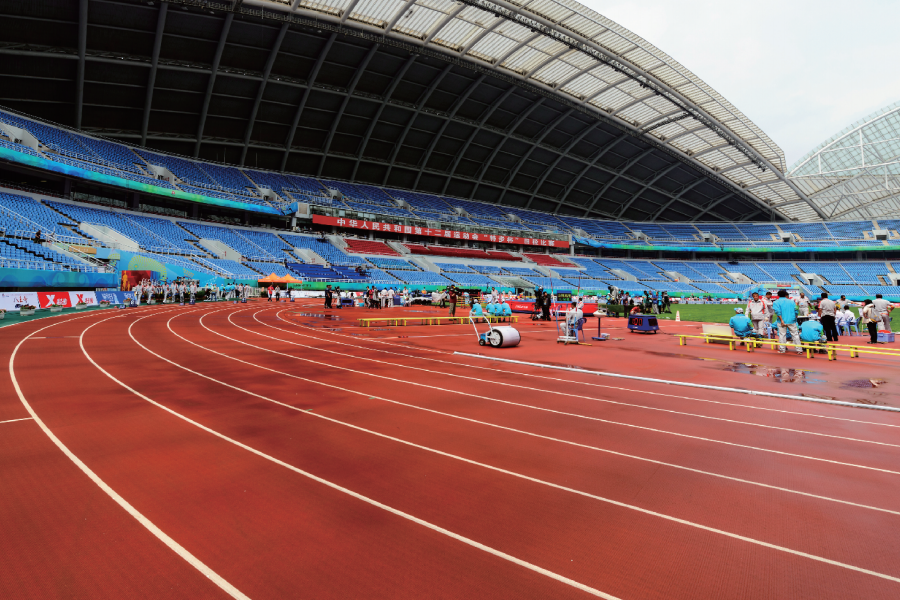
[[437, 233]]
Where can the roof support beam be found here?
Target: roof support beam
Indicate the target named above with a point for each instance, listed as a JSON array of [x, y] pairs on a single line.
[[443, 22], [591, 164], [576, 75], [676, 197], [712, 206], [211, 83], [515, 170], [360, 69], [650, 182], [434, 139], [273, 54], [313, 73], [393, 22], [541, 64], [420, 104], [479, 37], [516, 47], [618, 174], [395, 81], [154, 63], [487, 115], [346, 13], [82, 48], [512, 128], [560, 155]]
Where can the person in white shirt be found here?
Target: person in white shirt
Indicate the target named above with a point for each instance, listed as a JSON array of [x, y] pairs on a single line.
[[495, 295], [181, 290], [580, 303], [759, 314], [137, 291], [803, 305], [827, 310], [193, 290], [572, 317], [883, 308]]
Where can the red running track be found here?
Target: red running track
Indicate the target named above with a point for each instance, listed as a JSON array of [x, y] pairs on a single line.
[[248, 451]]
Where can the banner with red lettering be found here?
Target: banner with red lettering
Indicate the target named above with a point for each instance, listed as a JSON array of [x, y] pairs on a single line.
[[437, 233], [88, 298], [48, 299]]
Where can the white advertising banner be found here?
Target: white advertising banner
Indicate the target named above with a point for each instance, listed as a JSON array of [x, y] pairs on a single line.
[[13, 300]]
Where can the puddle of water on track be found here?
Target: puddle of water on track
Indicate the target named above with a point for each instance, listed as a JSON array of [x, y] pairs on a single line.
[[779, 374]]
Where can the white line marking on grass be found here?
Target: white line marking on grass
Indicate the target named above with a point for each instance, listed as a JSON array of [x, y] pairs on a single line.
[[458, 417], [554, 392], [534, 375], [140, 518], [476, 463]]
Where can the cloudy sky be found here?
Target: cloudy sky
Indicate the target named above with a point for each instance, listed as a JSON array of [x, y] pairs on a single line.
[[802, 70]]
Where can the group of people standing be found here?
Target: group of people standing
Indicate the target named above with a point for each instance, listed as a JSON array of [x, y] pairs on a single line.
[[821, 318]]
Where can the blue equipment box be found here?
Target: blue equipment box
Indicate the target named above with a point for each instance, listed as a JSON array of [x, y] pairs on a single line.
[[886, 336], [643, 323]]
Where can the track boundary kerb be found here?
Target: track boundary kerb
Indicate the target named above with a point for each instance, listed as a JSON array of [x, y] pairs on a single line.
[[682, 383], [124, 504]]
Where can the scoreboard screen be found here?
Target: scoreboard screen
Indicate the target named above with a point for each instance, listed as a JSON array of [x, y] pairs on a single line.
[[564, 296]]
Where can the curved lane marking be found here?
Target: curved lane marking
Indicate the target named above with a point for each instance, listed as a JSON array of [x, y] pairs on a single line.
[[140, 518]]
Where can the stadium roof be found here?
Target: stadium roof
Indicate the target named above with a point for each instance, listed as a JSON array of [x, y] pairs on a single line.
[[545, 105], [855, 174]]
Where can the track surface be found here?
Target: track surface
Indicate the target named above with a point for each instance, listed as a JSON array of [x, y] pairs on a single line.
[[271, 451]]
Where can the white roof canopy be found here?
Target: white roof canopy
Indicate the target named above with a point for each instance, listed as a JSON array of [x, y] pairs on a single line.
[[566, 47]]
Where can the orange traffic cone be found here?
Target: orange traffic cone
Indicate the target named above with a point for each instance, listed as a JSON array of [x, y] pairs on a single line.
[[677, 315]]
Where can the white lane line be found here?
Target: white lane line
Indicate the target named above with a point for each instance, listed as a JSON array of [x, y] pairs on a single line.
[[14, 420], [366, 499], [140, 518], [569, 381], [483, 465], [458, 417], [549, 410], [685, 384], [545, 391]]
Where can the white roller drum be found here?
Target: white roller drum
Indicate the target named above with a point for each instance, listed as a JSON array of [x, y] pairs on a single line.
[[503, 337]]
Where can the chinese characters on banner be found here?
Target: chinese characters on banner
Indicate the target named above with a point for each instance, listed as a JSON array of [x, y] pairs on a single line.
[[438, 233]]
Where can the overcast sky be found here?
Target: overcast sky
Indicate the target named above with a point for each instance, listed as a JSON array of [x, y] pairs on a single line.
[[802, 70]]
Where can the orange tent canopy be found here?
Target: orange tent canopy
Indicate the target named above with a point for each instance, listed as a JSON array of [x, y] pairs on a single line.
[[273, 278]]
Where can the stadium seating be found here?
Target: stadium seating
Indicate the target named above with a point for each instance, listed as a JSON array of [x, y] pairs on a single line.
[[235, 239], [420, 277], [545, 260], [454, 267], [357, 246], [448, 251], [267, 268], [471, 279], [393, 263], [26, 215], [324, 249], [158, 235]]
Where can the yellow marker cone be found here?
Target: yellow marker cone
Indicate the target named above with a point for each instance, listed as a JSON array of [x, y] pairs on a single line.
[[677, 315]]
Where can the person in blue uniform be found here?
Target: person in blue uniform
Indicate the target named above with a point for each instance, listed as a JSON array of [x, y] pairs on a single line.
[[741, 325], [811, 331]]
